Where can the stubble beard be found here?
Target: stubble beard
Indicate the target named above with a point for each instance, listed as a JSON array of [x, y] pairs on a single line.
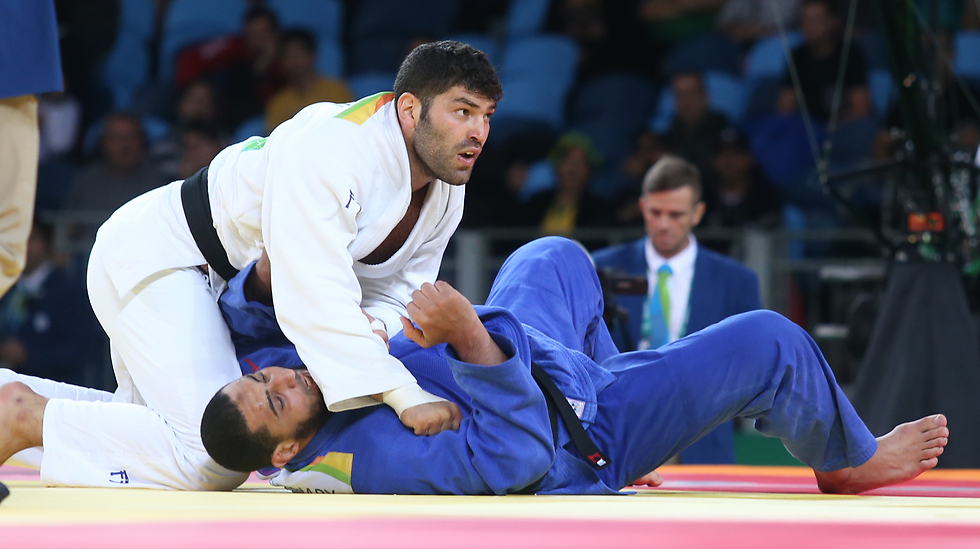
[[437, 160]]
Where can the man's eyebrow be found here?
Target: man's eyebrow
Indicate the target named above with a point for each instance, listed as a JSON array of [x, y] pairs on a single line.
[[271, 405], [466, 101], [267, 395]]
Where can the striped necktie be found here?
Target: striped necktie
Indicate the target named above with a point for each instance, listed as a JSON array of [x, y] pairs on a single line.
[[660, 310]]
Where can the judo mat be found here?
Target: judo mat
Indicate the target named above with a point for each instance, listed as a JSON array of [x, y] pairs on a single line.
[[697, 507]]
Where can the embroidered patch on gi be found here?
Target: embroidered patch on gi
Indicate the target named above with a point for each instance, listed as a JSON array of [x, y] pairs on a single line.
[[359, 112], [578, 406], [254, 144], [329, 474]]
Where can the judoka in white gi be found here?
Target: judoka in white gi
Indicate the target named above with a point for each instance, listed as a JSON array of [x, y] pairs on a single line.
[[354, 204]]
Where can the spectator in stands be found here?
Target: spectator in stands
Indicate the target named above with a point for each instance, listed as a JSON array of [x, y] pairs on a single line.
[[121, 174], [689, 288], [694, 133], [609, 36], [648, 148], [817, 63], [570, 204], [303, 85], [671, 21], [47, 328], [201, 143], [737, 195], [197, 106], [247, 64], [745, 21]]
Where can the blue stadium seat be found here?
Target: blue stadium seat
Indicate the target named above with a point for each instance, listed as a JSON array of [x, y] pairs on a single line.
[[610, 109], [188, 22], [966, 55], [482, 42], [726, 94], [330, 59], [767, 58], [526, 17], [324, 18], [137, 17], [537, 73], [882, 91], [381, 30], [251, 127], [369, 83], [126, 69]]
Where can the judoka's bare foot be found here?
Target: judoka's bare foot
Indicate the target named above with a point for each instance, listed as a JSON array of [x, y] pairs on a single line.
[[652, 478], [903, 454], [21, 417]]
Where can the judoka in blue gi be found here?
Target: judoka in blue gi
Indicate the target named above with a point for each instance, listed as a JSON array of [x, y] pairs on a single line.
[[545, 307]]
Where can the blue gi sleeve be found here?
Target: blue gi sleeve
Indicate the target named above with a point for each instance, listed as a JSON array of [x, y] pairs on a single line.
[[503, 445]]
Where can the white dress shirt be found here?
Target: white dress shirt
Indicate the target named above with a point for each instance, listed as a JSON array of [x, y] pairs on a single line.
[[678, 284]]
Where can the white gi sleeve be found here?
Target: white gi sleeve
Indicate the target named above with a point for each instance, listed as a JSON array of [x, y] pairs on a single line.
[[308, 224]]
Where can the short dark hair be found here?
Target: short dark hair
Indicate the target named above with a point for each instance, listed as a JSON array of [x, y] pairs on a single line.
[[435, 67], [229, 441], [670, 173], [302, 37], [260, 12]]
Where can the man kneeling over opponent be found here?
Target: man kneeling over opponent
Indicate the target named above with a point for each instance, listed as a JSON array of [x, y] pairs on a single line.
[[545, 308]]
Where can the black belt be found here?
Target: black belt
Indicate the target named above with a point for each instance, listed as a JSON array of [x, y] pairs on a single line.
[[197, 210], [559, 406]]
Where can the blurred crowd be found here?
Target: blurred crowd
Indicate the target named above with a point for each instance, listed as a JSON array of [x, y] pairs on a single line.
[[595, 92]]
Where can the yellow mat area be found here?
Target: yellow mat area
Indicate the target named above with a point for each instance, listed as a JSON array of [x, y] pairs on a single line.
[[31, 504]]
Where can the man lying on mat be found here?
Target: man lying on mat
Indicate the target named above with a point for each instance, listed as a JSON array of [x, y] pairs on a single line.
[[545, 309], [639, 408]]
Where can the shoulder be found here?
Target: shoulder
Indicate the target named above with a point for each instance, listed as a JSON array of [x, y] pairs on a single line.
[[612, 255], [729, 266]]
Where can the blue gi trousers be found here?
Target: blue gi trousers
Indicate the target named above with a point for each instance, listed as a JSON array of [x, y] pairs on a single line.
[[757, 365]]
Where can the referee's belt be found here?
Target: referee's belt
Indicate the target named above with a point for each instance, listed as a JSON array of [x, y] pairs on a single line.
[[197, 210]]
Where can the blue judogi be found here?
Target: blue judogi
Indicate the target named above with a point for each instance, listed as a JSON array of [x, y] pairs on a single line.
[[639, 408], [722, 287]]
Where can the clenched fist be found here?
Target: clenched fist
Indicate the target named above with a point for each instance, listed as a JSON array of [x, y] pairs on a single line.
[[444, 315]]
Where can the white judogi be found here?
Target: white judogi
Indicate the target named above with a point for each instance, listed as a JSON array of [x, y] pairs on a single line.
[[323, 191]]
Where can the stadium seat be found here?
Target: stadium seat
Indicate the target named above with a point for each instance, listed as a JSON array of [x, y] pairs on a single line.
[[330, 59], [188, 22], [767, 58], [537, 74], [370, 83], [966, 55], [137, 17], [882, 91], [482, 42], [324, 18], [126, 69], [526, 18], [251, 127], [382, 30], [610, 109]]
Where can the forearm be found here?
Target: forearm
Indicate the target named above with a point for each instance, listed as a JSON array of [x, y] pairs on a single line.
[[475, 346]]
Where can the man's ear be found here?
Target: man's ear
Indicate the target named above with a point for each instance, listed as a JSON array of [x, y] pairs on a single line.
[[698, 212], [285, 451], [409, 109]]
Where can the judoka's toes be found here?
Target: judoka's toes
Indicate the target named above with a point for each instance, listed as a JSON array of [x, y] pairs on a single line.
[[903, 454]]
